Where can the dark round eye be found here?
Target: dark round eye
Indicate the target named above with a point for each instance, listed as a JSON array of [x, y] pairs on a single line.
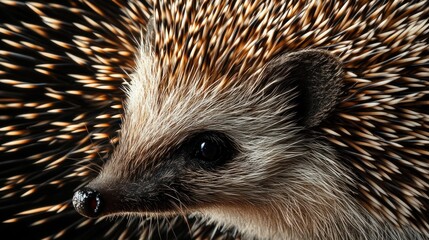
[[209, 150]]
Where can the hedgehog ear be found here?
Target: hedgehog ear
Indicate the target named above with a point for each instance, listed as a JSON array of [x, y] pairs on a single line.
[[316, 75]]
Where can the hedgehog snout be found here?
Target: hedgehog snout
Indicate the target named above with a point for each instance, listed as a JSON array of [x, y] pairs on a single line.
[[88, 202]]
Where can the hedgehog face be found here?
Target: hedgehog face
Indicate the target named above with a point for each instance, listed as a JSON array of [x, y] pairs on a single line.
[[213, 150]]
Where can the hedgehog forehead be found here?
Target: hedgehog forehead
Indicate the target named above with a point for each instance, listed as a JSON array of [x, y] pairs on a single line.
[[157, 120]]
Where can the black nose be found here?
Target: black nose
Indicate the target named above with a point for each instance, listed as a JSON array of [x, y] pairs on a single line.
[[87, 202]]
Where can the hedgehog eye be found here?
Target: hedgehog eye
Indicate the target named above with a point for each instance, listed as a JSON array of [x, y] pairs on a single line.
[[209, 150], [212, 148]]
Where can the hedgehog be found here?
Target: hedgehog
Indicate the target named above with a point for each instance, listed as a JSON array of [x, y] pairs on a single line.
[[341, 157], [284, 120]]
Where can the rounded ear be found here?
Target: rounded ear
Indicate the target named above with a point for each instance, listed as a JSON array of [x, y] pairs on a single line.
[[315, 74]]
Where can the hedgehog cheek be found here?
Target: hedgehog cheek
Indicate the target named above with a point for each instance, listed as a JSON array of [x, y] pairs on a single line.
[[315, 74]]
